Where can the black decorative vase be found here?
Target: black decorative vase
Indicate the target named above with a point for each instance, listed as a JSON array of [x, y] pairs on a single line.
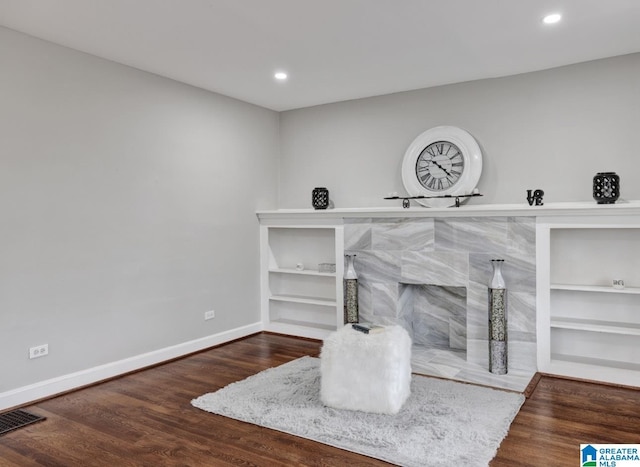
[[606, 187], [320, 198]]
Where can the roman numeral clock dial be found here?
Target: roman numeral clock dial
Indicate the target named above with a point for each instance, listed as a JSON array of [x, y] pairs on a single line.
[[442, 161], [439, 166]]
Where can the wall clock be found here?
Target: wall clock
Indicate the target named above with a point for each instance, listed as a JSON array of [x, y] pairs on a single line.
[[444, 160]]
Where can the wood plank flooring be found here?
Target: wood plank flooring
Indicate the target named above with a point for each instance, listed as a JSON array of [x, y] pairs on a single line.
[[145, 419]]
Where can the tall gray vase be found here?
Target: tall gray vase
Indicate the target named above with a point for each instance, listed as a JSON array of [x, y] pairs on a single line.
[[498, 320], [350, 292]]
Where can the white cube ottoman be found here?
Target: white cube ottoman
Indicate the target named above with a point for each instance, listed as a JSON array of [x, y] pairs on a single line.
[[367, 372]]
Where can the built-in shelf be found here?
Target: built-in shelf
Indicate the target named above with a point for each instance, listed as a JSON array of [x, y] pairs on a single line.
[[572, 365], [304, 299], [309, 329], [303, 272], [586, 330], [306, 324], [593, 325], [301, 300], [597, 370], [595, 288]]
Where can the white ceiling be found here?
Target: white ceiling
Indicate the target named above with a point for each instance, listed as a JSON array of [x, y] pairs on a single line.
[[333, 50]]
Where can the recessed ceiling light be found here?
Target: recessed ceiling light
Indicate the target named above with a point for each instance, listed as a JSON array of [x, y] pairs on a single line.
[[280, 76], [551, 19]]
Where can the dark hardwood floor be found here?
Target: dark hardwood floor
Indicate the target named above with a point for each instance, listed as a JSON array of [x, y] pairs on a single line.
[[145, 419]]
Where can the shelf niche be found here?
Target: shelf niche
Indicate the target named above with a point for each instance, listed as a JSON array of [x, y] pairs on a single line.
[[295, 297], [588, 328]]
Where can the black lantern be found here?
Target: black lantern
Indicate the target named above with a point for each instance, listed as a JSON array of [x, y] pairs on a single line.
[[320, 198], [606, 187]]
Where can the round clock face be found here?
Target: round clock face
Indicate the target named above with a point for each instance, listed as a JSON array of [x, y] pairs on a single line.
[[439, 166], [442, 161]]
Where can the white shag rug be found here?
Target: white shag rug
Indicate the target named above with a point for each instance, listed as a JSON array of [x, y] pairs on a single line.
[[442, 423]]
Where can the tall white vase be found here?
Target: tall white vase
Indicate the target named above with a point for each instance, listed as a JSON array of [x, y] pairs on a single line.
[[498, 343], [350, 291]]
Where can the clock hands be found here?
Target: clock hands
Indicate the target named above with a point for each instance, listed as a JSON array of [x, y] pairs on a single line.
[[439, 166], [435, 179], [433, 161]]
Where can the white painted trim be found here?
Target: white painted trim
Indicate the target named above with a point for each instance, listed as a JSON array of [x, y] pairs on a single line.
[[60, 384], [394, 209], [543, 296]]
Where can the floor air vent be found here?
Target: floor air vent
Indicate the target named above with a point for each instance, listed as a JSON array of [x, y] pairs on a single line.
[[17, 419]]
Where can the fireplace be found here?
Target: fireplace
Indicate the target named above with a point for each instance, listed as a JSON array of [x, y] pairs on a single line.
[[430, 275], [435, 316]]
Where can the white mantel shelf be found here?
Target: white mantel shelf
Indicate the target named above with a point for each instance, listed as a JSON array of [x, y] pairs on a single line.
[[620, 208]]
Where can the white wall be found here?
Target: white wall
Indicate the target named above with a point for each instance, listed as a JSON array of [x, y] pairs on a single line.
[[127, 201], [127, 210], [552, 129]]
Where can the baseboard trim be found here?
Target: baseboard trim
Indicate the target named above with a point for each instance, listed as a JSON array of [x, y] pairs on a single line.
[[51, 387]]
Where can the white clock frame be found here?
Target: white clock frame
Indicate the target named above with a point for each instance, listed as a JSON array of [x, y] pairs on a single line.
[[471, 154]]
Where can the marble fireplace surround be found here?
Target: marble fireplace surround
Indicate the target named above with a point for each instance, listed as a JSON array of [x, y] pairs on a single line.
[[412, 270]]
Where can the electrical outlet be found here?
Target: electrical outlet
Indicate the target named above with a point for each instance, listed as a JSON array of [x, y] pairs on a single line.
[[39, 351], [209, 315]]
